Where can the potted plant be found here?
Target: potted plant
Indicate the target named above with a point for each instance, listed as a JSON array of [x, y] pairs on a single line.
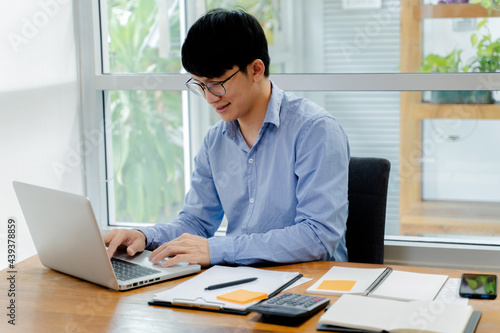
[[486, 59]]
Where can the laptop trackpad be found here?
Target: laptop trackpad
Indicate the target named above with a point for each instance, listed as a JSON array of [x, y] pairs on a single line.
[[142, 259]]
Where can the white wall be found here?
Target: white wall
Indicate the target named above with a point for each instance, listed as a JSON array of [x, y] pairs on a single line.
[[40, 118]]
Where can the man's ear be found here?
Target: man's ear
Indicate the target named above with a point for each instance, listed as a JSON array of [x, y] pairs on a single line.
[[256, 69]]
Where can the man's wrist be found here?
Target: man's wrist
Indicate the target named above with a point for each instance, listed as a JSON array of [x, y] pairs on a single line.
[[145, 237]]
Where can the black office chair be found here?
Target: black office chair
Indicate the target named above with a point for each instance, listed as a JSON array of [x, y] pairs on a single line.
[[368, 182]]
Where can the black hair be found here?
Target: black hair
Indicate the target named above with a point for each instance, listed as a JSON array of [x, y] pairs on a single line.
[[221, 39]]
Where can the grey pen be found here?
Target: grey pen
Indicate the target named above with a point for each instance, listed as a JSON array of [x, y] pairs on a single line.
[[378, 280], [230, 284]]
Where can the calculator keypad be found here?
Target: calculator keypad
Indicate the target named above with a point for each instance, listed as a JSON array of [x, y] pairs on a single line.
[[291, 305]]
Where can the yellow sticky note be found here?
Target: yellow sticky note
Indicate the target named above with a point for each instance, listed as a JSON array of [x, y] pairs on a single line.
[[242, 296], [339, 285]]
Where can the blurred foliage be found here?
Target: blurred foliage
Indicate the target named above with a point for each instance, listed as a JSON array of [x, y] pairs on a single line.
[[486, 58], [148, 156], [266, 11]]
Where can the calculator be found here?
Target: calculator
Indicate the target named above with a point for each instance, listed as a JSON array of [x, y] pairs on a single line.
[[290, 305]]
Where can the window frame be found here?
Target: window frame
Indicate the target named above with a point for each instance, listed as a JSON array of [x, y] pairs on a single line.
[[403, 250]]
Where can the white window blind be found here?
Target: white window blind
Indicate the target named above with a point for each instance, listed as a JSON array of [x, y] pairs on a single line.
[[367, 41]]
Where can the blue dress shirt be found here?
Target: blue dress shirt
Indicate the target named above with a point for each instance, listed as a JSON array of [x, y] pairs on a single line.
[[285, 199]]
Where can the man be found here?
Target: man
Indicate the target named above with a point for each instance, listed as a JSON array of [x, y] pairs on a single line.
[[276, 165]]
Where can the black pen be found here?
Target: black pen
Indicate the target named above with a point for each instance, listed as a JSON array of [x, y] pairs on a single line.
[[230, 284]]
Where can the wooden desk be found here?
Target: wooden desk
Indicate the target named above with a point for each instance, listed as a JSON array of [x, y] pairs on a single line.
[[48, 301]]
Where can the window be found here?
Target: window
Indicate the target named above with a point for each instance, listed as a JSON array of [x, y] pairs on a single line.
[[361, 64]]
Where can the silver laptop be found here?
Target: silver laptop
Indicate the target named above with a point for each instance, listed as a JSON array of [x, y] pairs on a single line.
[[67, 238]]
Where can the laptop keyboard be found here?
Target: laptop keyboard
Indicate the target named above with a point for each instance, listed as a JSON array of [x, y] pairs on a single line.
[[125, 270]]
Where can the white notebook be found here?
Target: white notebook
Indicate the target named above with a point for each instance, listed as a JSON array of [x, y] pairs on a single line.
[[372, 314], [379, 282]]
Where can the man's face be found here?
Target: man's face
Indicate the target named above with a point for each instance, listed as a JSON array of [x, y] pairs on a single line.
[[236, 103]]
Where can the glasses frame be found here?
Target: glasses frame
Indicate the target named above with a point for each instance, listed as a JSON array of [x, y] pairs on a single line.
[[209, 85]]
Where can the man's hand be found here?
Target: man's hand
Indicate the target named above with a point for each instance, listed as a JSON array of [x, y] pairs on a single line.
[[186, 248], [133, 240]]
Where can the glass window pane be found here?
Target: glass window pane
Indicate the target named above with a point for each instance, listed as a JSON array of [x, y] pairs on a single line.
[[317, 36], [146, 159], [469, 44], [143, 37], [459, 160], [449, 164], [445, 176]]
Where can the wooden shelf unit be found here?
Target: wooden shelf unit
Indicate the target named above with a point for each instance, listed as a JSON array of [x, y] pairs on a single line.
[[419, 217], [455, 111], [453, 217], [455, 10]]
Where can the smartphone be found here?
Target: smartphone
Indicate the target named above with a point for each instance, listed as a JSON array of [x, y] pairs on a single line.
[[483, 286]]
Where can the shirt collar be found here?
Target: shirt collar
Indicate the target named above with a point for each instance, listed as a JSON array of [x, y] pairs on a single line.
[[274, 106], [272, 113]]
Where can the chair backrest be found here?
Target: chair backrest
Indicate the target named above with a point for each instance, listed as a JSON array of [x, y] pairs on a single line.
[[367, 193]]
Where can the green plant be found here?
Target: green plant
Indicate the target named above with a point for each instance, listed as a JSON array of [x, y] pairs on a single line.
[[439, 64], [486, 58], [264, 10]]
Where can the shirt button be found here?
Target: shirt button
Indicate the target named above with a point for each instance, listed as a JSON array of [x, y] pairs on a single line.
[[250, 160], [251, 200]]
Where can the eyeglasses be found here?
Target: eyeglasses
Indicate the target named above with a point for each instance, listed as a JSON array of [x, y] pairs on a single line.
[[215, 87]]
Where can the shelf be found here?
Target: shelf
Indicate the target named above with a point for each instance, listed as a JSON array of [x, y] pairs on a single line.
[[462, 10], [452, 217], [419, 217], [455, 111]]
